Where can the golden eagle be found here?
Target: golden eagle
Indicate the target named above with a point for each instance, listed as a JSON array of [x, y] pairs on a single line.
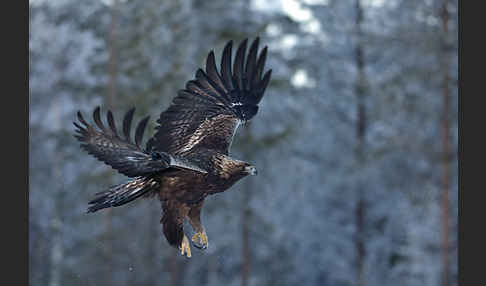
[[188, 157]]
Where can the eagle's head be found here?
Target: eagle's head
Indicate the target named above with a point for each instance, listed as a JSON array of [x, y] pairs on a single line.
[[232, 169], [250, 170]]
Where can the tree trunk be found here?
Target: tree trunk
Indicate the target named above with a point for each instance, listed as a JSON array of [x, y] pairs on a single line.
[[247, 188], [445, 178], [57, 253], [152, 249], [112, 64], [360, 211], [245, 268], [176, 269], [173, 268], [112, 72], [57, 250]]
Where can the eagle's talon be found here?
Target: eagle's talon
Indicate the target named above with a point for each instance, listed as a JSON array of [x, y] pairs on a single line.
[[185, 248], [200, 240]]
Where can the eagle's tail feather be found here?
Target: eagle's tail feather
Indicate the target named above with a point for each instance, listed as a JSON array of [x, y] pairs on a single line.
[[121, 194]]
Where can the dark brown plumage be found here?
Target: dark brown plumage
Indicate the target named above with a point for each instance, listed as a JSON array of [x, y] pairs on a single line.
[[188, 158]]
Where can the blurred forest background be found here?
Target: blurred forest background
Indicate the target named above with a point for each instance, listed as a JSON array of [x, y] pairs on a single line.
[[355, 142]]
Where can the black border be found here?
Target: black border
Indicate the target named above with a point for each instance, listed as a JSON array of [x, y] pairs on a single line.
[[470, 87], [15, 204]]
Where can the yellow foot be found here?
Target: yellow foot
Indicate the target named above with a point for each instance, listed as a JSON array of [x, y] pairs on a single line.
[[200, 240], [185, 248]]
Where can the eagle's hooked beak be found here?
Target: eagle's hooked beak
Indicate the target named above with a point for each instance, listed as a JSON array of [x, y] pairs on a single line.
[[251, 170]]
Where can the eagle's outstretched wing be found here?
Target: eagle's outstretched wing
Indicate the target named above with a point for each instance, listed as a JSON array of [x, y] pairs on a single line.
[[120, 153], [206, 114]]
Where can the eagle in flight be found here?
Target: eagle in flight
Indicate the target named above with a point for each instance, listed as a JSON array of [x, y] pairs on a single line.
[[188, 157]]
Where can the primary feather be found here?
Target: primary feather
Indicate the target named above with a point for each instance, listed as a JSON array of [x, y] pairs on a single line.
[[206, 113]]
